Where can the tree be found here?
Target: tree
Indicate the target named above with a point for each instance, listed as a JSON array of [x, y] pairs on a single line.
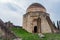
[[54, 24], [58, 25]]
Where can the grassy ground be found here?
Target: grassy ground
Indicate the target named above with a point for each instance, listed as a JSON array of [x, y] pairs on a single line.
[[29, 36], [52, 37], [24, 34]]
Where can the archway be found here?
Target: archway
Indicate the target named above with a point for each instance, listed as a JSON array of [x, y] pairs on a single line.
[[35, 29]]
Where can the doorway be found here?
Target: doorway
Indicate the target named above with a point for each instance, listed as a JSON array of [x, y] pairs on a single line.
[[35, 29]]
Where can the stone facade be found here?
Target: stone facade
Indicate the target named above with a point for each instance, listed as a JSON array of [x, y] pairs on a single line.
[[37, 20]]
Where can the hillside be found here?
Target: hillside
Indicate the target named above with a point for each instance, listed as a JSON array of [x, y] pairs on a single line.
[[29, 36]]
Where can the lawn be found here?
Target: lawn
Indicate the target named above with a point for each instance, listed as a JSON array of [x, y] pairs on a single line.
[[29, 36]]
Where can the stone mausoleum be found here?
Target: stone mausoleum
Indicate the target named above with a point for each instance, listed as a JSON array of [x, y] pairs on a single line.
[[37, 20]]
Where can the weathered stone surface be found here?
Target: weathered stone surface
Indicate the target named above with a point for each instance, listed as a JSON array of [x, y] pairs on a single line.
[[33, 25], [41, 35], [5, 32], [9, 24]]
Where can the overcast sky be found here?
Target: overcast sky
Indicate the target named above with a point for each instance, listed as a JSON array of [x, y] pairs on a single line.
[[13, 10]]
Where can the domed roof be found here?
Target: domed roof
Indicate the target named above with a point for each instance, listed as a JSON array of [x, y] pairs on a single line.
[[36, 7]]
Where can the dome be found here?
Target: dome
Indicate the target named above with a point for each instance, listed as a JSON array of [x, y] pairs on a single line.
[[36, 7]]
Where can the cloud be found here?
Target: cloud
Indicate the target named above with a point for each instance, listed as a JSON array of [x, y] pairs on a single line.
[[11, 7], [5, 1], [53, 1], [14, 15], [13, 10]]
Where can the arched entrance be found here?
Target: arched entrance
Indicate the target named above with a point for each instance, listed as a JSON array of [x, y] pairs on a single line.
[[35, 29]]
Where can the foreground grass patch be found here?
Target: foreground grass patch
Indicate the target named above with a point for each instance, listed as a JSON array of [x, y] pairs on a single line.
[[29, 36], [24, 34]]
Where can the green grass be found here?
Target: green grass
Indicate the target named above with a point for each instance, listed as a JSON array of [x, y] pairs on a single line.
[[24, 34], [29, 36], [51, 37]]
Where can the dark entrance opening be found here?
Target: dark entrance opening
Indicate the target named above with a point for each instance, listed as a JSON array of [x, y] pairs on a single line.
[[35, 29]]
